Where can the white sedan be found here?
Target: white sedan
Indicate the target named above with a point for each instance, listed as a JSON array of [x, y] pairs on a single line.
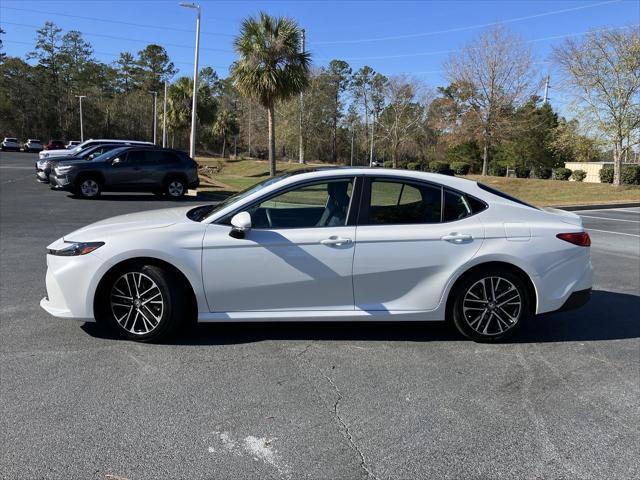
[[331, 244]]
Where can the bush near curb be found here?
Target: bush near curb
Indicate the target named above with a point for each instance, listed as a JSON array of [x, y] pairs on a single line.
[[578, 175], [414, 166], [460, 168], [388, 164], [522, 171], [543, 172], [606, 175], [630, 175], [561, 174], [497, 170], [438, 165]]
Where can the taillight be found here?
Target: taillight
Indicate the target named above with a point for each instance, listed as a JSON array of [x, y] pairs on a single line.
[[577, 238]]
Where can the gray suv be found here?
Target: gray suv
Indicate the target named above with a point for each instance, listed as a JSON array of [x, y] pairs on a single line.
[[128, 169]]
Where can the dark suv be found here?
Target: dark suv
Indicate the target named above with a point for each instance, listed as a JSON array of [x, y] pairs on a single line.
[[45, 165], [128, 169]]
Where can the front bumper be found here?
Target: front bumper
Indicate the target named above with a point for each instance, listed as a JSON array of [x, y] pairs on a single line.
[[63, 181]]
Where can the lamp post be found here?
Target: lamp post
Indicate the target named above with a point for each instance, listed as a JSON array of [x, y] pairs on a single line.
[[192, 149], [80, 97], [164, 117], [155, 116]]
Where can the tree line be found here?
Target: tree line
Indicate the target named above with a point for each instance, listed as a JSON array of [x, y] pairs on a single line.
[[489, 117]]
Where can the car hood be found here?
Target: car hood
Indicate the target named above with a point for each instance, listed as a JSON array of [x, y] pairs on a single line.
[[57, 153], [151, 219]]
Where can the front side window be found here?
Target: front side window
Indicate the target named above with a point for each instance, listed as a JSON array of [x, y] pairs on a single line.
[[394, 202], [323, 204]]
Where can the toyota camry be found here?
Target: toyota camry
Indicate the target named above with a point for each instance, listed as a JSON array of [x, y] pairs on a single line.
[[330, 244]]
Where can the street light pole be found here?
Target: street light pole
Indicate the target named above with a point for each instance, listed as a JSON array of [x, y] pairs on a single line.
[[301, 135], [80, 97], [155, 116], [192, 149], [164, 118]]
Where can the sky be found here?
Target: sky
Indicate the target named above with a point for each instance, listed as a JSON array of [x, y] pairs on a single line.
[[393, 37]]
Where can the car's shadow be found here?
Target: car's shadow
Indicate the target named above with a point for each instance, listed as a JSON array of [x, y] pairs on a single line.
[[201, 197], [608, 316]]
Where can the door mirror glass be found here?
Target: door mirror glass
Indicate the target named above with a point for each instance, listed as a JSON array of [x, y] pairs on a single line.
[[116, 161], [241, 223]]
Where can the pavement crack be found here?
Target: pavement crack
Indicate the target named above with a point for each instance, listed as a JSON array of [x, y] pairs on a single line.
[[344, 428]]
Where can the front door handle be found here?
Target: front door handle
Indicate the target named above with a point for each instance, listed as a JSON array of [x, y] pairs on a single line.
[[457, 238], [334, 240]]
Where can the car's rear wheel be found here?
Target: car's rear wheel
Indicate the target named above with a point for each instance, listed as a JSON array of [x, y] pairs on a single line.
[[142, 302], [89, 187], [490, 306], [176, 187]]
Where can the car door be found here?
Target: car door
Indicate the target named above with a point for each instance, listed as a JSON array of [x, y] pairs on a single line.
[[122, 171], [411, 237], [297, 255]]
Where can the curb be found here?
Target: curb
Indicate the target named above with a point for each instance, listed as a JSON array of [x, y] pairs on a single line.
[[598, 206]]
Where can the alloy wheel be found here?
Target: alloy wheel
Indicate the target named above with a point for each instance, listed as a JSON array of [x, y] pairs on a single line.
[[175, 188], [137, 303], [492, 305], [89, 188]]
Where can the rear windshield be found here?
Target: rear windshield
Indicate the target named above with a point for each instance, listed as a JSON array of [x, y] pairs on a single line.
[[504, 195], [11, 139]]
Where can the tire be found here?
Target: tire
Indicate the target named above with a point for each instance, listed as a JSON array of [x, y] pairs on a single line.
[[88, 187], [175, 187], [123, 305], [476, 313]]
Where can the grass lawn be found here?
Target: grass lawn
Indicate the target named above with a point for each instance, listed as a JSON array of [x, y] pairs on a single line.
[[235, 175]]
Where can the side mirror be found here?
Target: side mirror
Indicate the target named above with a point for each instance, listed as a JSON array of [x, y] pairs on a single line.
[[241, 223], [116, 161]]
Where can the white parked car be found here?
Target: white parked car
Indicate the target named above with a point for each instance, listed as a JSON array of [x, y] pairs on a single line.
[[334, 244], [10, 143], [48, 154], [73, 143], [33, 145]]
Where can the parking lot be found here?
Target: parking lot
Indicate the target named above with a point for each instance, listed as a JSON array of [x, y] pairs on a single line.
[[311, 401]]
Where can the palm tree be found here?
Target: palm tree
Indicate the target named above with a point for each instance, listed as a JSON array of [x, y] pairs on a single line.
[[271, 66], [225, 125]]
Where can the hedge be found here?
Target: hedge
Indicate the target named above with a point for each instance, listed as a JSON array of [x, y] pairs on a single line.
[[460, 168], [522, 171], [541, 171], [561, 173], [578, 175], [498, 170], [438, 165], [630, 175]]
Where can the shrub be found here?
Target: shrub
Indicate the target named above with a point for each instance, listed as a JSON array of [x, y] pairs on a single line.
[[497, 170], [388, 164], [522, 171], [630, 175], [460, 168], [541, 171], [438, 165], [578, 175], [561, 173], [606, 174]]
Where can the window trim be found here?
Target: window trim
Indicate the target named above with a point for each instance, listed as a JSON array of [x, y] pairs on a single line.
[[365, 200], [352, 212]]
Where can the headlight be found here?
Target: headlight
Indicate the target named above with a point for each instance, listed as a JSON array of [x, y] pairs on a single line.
[[75, 249], [62, 170]]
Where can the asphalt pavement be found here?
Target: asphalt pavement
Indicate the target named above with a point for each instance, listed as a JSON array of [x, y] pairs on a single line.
[[310, 401]]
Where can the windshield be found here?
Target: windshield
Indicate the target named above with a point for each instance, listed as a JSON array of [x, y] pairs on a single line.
[[110, 154], [200, 214]]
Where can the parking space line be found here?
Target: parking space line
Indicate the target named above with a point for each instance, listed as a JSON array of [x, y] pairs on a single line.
[[615, 233], [612, 219]]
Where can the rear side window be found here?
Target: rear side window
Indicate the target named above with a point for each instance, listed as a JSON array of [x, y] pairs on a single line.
[[137, 156], [393, 202], [458, 206]]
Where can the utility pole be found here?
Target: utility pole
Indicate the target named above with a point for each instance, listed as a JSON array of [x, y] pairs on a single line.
[[373, 131], [80, 97], [546, 90], [155, 116], [250, 126], [164, 117], [235, 136], [353, 133], [301, 154], [192, 147]]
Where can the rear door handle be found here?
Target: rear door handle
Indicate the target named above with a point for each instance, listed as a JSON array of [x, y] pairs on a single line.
[[457, 238], [334, 240]]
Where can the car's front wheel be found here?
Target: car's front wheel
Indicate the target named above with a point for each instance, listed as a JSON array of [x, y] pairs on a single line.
[[142, 302], [176, 187], [89, 187], [490, 305]]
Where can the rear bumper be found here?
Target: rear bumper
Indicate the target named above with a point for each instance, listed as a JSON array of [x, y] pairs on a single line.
[[576, 300]]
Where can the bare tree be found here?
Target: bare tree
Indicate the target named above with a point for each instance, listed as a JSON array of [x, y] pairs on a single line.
[[494, 73], [402, 116], [603, 70]]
